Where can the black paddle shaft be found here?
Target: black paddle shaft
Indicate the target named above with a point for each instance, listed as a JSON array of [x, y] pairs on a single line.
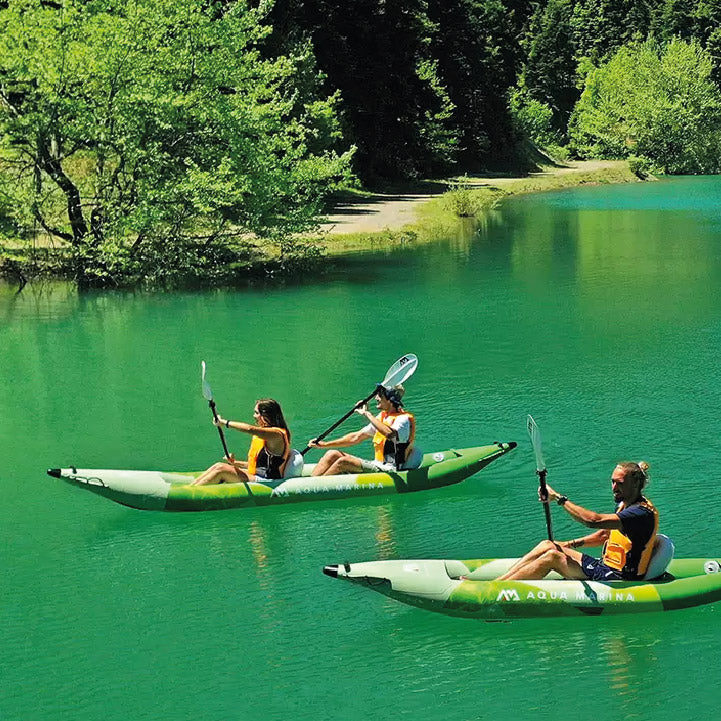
[[220, 430], [345, 417], [544, 497]]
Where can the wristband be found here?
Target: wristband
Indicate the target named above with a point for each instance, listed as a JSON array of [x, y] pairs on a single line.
[[561, 500], [227, 423]]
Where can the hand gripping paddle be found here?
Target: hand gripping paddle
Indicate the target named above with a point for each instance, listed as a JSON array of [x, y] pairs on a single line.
[[399, 372], [535, 435]]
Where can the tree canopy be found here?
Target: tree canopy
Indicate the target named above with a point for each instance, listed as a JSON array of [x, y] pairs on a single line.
[[655, 101], [148, 132], [156, 139]]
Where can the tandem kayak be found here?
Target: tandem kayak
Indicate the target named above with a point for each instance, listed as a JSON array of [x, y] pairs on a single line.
[[160, 491], [470, 589]]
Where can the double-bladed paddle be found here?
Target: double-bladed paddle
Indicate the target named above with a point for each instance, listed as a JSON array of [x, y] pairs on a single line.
[[535, 435], [399, 372]]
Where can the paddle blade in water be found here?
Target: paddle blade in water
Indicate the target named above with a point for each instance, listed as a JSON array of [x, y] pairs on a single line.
[[535, 435], [207, 393], [401, 370]]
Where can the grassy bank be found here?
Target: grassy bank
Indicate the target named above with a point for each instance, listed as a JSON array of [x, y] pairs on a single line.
[[408, 216], [465, 202]]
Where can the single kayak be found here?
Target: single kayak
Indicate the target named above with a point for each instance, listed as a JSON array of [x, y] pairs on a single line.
[[470, 589], [161, 491]]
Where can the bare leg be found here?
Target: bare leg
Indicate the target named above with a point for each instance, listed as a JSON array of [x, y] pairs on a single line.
[[532, 555], [344, 464], [335, 462], [565, 561], [328, 459], [221, 473]]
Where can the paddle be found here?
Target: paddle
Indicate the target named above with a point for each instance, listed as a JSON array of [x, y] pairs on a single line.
[[399, 372], [535, 435], [208, 395]]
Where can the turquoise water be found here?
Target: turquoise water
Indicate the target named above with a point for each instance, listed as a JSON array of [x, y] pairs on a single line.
[[597, 310]]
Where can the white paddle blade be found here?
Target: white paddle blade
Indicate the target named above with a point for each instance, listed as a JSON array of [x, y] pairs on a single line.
[[400, 371], [535, 435], [207, 393]]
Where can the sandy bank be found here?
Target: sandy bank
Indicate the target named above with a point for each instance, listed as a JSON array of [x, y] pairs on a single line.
[[379, 212]]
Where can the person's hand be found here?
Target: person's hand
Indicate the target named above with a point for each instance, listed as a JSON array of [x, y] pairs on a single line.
[[361, 408], [551, 495], [218, 421], [230, 458], [314, 443]]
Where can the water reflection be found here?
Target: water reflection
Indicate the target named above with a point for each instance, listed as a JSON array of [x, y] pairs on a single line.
[[606, 328], [385, 533]]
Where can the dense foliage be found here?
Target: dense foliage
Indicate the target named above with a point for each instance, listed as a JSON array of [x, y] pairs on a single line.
[[179, 138], [150, 135], [658, 102]]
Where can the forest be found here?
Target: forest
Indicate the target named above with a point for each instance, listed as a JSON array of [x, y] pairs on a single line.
[[154, 142]]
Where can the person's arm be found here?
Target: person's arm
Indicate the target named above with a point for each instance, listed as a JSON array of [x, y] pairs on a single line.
[[592, 540], [349, 439], [383, 428], [590, 519], [236, 464], [272, 436]]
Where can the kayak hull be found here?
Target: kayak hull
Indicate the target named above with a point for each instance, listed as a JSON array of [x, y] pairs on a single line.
[[470, 589], [161, 491]]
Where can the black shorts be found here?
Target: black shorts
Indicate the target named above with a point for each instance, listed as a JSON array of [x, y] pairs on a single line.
[[596, 570]]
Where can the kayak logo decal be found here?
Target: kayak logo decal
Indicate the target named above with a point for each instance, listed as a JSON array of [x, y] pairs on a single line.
[[711, 567], [320, 490], [438, 457], [511, 594], [88, 481]]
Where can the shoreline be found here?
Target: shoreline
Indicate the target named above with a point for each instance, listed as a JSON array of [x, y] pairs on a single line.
[[423, 212], [387, 219]]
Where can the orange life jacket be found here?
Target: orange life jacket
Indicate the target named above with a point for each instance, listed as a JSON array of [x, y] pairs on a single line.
[[263, 463], [618, 545], [387, 446]]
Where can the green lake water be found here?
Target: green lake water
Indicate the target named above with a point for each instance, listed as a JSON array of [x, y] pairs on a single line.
[[598, 310]]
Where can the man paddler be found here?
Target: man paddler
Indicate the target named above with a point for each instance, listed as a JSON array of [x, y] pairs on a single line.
[[627, 536]]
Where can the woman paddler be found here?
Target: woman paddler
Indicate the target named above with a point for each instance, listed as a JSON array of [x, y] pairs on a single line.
[[269, 449]]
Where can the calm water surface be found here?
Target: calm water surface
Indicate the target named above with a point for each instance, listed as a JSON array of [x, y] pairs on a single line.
[[597, 310]]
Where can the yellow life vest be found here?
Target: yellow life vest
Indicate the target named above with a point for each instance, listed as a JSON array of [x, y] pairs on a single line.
[[387, 446], [265, 464], [618, 545]]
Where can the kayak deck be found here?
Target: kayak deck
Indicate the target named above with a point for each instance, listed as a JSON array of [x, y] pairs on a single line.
[[173, 491], [471, 589]]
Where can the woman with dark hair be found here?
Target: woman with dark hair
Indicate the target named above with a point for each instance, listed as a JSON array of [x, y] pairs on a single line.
[[269, 448], [628, 535]]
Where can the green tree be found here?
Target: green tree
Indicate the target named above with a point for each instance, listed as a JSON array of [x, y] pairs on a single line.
[[601, 27], [693, 20], [477, 45], [657, 102], [395, 107], [549, 74], [149, 134]]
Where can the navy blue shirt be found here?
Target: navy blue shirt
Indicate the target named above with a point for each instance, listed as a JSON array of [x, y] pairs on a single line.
[[638, 523]]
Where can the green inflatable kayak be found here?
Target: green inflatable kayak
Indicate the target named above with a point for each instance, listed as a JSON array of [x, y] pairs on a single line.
[[159, 491], [469, 588]]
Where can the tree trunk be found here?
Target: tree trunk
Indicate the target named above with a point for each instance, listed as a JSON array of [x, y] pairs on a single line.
[[53, 167]]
